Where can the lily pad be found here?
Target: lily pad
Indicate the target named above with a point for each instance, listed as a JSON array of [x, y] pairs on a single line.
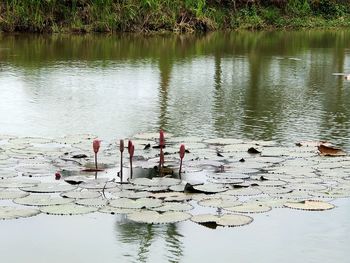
[[99, 202], [155, 181], [173, 206], [153, 217], [12, 194], [310, 205], [229, 220], [9, 212], [219, 202], [115, 210], [135, 204], [81, 194], [68, 209], [48, 188], [244, 191], [210, 188], [131, 194], [249, 208], [42, 200]]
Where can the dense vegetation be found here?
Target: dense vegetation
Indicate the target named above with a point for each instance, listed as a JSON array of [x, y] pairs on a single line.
[[169, 15]]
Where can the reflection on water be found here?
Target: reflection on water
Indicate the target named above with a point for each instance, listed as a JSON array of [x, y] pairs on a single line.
[[261, 85], [144, 240]]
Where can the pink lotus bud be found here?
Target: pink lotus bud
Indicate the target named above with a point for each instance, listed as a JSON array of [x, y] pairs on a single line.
[[96, 145], [57, 176], [131, 150], [121, 146], [129, 146], [182, 151], [161, 138]]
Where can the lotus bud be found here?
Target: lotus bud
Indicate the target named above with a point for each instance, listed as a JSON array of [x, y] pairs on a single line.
[[129, 146], [121, 146], [57, 176], [182, 151], [96, 145], [131, 151]]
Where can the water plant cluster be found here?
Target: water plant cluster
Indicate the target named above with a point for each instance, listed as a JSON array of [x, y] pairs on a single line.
[[164, 15], [224, 181]]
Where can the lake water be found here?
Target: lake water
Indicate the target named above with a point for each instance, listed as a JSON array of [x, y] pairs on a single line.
[[250, 85]]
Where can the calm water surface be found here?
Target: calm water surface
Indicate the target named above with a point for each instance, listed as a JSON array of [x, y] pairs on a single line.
[[266, 85]]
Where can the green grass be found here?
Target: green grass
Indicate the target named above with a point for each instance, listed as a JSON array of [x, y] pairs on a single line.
[[169, 15]]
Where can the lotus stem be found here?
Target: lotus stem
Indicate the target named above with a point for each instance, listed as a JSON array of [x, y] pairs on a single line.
[[180, 168], [121, 167], [96, 161]]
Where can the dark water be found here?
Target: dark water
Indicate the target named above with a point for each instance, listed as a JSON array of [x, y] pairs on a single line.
[[261, 85]]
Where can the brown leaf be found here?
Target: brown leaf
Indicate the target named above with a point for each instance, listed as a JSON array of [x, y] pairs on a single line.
[[330, 151]]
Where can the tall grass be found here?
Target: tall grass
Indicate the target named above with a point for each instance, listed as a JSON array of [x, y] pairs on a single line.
[[168, 15]]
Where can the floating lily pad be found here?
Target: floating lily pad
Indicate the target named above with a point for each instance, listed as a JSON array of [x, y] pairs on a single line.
[[173, 206], [223, 141], [173, 196], [10, 183], [42, 200], [115, 210], [271, 183], [81, 194], [153, 217], [179, 187], [9, 212], [244, 191], [308, 187], [4, 174], [229, 176], [48, 188], [156, 189], [99, 202], [98, 184], [225, 181], [219, 202], [275, 190], [210, 188], [67, 209], [12, 194], [155, 181], [135, 204], [271, 202], [229, 220], [310, 205], [132, 194], [249, 208]]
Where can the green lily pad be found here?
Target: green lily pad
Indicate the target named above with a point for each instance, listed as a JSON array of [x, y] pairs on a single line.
[[153, 217], [81, 194], [12, 194], [9, 212], [219, 202], [99, 202], [42, 200], [310, 205], [229, 220], [210, 188], [48, 188], [135, 204], [115, 210], [249, 208], [173, 206], [155, 181], [68, 209]]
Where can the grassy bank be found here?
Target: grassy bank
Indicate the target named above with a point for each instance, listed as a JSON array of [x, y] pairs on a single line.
[[169, 15]]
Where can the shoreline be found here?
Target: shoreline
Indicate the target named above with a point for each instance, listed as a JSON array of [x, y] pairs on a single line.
[[163, 17]]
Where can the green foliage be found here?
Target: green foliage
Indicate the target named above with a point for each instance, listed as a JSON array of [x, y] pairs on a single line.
[[168, 15]]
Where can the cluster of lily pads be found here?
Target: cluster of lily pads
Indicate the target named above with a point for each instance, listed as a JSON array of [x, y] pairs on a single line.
[[223, 181]]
